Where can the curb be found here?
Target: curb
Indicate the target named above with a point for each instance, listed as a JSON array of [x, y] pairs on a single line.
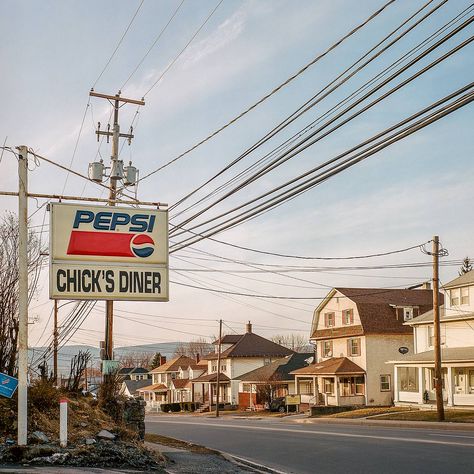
[[242, 462], [440, 425]]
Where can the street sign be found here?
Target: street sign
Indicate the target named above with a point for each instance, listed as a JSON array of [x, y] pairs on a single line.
[[115, 253], [293, 400], [8, 385], [403, 350]]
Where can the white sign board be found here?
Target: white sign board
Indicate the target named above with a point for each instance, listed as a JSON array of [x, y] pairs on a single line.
[[116, 253]]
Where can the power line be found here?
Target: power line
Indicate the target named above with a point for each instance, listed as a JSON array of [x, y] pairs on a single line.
[[271, 93], [170, 65], [119, 43]]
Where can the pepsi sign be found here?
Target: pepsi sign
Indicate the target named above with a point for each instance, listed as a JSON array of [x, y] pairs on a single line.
[[100, 252]]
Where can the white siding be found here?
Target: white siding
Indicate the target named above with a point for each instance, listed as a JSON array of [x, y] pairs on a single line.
[[453, 334]]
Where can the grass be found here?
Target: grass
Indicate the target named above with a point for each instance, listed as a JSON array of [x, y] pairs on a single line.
[[458, 416], [178, 444], [365, 412]]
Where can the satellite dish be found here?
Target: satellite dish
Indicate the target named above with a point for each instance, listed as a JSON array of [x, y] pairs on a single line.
[[403, 350]]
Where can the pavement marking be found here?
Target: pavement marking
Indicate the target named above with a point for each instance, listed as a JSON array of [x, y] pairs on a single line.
[[326, 433], [451, 436]]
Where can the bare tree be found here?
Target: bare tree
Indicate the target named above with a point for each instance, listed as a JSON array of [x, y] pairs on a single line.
[[9, 297], [78, 366], [295, 342], [192, 348], [136, 359]]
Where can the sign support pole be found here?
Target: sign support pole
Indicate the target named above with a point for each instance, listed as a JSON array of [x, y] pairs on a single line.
[[23, 297], [55, 344], [218, 368]]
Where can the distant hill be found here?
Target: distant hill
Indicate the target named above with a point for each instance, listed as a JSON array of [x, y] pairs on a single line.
[[66, 353]]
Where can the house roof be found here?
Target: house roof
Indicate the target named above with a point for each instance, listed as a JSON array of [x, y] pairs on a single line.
[[427, 318], [139, 370], [157, 387], [173, 365], [253, 345], [448, 354], [463, 280], [278, 370], [229, 339], [134, 385], [334, 366], [376, 308], [125, 370], [180, 383], [211, 378]]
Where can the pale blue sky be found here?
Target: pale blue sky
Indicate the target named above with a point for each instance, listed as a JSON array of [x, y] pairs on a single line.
[[53, 51]]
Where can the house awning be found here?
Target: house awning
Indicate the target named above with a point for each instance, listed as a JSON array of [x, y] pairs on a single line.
[[211, 378], [157, 388], [333, 366]]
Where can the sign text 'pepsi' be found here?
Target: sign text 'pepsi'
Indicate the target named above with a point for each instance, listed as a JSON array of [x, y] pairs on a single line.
[[99, 252]]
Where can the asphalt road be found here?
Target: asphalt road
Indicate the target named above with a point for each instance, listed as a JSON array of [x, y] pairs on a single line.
[[291, 447]]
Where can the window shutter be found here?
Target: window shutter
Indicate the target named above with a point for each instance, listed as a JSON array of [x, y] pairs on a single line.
[[358, 347], [352, 316], [326, 319], [349, 348]]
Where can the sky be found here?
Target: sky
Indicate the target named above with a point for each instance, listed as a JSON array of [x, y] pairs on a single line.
[[54, 52]]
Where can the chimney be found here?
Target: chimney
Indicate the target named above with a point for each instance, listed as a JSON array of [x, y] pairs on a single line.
[[426, 285], [249, 327], [198, 357], [162, 360]]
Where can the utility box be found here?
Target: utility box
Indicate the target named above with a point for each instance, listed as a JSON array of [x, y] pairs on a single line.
[[96, 171], [130, 175]]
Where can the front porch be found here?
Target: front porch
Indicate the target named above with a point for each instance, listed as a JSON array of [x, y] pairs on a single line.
[[204, 389], [334, 382], [154, 396]]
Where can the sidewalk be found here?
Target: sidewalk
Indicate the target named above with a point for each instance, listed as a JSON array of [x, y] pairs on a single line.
[[435, 425]]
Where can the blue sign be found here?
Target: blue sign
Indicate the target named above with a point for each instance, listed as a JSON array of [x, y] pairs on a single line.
[[8, 385]]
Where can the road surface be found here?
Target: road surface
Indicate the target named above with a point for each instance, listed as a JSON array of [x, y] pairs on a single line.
[[292, 447]]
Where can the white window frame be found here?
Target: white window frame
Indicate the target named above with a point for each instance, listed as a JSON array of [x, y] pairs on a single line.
[[329, 352], [326, 319], [464, 298], [347, 313], [407, 313], [359, 351], [384, 382], [455, 296]]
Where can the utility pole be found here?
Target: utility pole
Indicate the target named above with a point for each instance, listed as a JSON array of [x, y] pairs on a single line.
[[55, 343], [437, 332], [219, 366], [116, 173], [23, 296]]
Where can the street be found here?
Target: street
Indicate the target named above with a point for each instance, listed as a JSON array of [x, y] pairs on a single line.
[[292, 447]]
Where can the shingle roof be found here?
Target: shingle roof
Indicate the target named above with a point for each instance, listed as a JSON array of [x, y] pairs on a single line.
[[157, 387], [134, 385], [253, 345], [427, 317], [278, 370], [139, 370], [173, 365], [448, 354], [463, 280], [376, 314], [211, 378], [229, 339], [334, 366], [180, 383]]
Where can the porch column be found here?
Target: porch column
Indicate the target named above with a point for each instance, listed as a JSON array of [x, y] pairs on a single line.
[[203, 387], [210, 395], [315, 391], [421, 384], [336, 389], [450, 386], [192, 392], [395, 384], [297, 385]]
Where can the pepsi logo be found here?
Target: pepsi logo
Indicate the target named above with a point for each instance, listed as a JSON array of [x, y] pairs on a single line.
[[142, 245]]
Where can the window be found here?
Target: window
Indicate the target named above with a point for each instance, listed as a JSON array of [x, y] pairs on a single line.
[[306, 388], [327, 348], [348, 316], [214, 368], [465, 295], [351, 386], [407, 314], [408, 379], [353, 347], [246, 387], [330, 320], [328, 385], [267, 361], [223, 368], [455, 297], [431, 337], [385, 383]]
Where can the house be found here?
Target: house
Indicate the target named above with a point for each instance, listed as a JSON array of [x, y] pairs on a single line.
[[162, 388], [414, 373], [134, 373], [355, 332], [260, 386], [240, 353], [130, 388]]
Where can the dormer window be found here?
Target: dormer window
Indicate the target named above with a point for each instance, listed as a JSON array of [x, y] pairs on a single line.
[[348, 317], [329, 320], [407, 314]]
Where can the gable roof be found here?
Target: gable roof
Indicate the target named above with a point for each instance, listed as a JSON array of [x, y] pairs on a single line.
[[377, 312], [279, 370], [157, 387], [180, 383], [334, 366], [173, 365], [134, 385], [463, 280], [253, 345]]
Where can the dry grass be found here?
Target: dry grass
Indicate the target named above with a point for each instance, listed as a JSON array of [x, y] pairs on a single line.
[[365, 412], [177, 443], [458, 416]]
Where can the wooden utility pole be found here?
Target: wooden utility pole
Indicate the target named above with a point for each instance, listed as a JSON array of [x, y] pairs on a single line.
[[437, 332], [116, 173], [218, 367], [55, 343]]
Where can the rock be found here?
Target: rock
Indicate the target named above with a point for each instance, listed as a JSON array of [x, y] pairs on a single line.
[[90, 441], [39, 437], [104, 434], [83, 425]]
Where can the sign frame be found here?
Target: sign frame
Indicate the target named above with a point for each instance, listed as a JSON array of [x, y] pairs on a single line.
[[8, 385]]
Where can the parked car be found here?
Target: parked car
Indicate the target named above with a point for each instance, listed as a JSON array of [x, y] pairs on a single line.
[[278, 404]]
